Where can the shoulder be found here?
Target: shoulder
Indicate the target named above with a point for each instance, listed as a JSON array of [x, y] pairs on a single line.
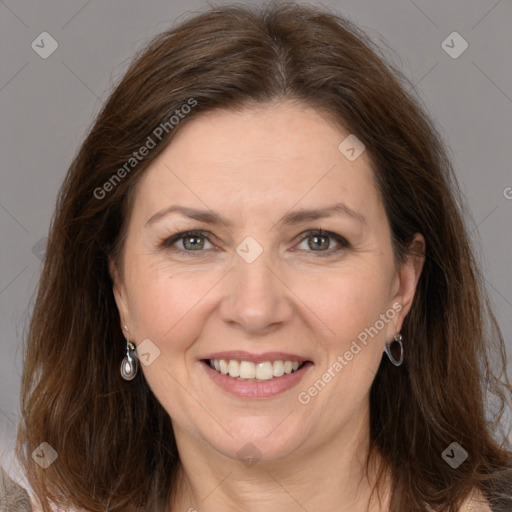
[[12, 495], [15, 497], [37, 507], [476, 502]]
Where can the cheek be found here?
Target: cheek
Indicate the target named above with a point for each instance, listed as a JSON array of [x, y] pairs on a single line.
[[163, 302], [347, 303], [164, 306], [358, 315]]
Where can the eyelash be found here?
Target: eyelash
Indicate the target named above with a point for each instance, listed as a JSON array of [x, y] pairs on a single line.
[[168, 242]]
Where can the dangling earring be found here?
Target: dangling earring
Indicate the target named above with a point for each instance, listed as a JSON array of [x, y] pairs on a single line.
[[130, 363], [398, 339]]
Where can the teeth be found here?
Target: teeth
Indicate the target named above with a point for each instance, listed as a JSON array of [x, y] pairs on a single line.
[[265, 370], [247, 370], [278, 368], [223, 365], [234, 368]]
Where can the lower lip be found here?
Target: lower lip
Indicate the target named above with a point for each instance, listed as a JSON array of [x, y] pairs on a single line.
[[254, 389]]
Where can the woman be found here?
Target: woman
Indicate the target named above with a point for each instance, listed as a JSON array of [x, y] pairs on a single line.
[[258, 291]]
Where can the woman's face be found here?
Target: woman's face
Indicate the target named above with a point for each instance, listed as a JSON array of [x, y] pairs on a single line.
[[255, 289]]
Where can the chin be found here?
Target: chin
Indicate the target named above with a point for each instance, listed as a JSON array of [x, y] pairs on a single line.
[[255, 439]]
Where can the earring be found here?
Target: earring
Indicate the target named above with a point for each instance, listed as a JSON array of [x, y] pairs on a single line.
[[398, 339], [130, 363]]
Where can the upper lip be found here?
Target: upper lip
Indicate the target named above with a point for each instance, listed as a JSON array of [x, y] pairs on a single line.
[[241, 355]]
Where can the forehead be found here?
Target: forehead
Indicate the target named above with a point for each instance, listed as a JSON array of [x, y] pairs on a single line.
[[267, 156]]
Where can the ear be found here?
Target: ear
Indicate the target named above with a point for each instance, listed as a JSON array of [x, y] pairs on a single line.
[[119, 290], [406, 281]]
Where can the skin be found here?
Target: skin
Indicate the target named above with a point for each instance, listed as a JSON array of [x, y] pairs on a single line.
[[253, 167]]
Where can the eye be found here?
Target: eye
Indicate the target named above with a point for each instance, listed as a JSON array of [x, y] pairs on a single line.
[[318, 241], [321, 240], [191, 241]]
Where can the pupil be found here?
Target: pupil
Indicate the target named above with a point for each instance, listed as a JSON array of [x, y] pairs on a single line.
[[194, 240], [316, 238]]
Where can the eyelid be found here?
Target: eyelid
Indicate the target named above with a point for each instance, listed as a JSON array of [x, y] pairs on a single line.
[[342, 241], [168, 242]]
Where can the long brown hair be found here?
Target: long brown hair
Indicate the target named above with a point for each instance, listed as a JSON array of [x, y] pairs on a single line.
[[114, 440]]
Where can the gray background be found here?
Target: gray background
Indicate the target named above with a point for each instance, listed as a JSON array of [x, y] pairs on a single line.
[[48, 104]]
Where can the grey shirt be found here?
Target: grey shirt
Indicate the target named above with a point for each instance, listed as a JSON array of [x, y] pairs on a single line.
[[13, 497]]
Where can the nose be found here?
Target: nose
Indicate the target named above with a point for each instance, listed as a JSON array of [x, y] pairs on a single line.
[[257, 299]]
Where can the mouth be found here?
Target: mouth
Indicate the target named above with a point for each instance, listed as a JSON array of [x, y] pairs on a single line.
[[250, 372], [255, 377]]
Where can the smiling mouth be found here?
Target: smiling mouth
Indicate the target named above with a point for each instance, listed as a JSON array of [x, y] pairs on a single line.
[[249, 371]]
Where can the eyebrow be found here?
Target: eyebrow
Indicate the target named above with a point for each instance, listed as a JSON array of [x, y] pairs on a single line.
[[291, 218]]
